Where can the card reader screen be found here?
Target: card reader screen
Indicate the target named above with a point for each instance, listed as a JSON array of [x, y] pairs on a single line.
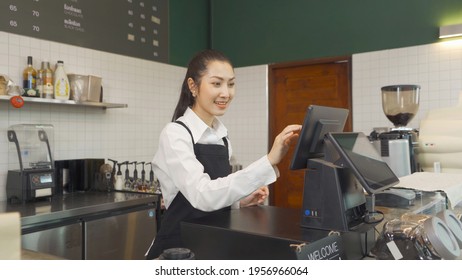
[[365, 162], [45, 178]]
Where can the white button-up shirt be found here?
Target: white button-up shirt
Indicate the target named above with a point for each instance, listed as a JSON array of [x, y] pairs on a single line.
[[177, 169]]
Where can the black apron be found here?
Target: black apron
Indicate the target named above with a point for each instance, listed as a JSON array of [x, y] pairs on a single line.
[[215, 159]]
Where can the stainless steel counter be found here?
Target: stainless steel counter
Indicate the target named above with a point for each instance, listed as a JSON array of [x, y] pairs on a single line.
[[33, 255], [88, 225], [75, 206]]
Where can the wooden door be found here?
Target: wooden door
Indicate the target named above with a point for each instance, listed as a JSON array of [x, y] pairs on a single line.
[[292, 88]]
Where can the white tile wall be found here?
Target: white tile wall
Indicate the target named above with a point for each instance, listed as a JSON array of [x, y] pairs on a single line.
[[437, 68], [247, 117], [149, 88], [151, 91]]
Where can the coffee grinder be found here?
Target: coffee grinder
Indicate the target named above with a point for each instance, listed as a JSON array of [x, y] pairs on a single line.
[[398, 145], [35, 177]]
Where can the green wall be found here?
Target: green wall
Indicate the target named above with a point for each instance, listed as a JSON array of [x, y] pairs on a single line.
[[189, 24], [253, 32]]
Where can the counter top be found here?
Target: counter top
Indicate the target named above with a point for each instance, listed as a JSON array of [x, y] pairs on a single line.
[[261, 232], [263, 221], [267, 232], [61, 208]]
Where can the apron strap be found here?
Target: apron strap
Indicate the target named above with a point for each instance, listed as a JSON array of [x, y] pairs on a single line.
[[192, 138]]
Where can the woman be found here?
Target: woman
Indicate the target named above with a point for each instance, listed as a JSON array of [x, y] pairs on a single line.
[[192, 161]]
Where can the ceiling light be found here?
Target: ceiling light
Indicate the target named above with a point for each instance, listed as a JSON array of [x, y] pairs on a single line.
[[450, 31]]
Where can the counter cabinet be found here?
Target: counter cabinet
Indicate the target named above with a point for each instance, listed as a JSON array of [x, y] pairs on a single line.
[[89, 225]]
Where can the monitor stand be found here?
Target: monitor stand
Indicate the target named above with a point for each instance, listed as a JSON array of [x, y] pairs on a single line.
[[372, 216], [332, 198]]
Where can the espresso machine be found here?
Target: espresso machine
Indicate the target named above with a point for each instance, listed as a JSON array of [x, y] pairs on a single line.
[[31, 175], [398, 145]]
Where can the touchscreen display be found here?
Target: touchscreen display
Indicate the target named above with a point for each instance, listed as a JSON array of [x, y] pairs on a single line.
[[359, 154], [318, 121]]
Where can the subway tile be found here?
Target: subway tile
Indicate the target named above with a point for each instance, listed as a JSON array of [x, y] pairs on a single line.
[[151, 91], [434, 67]]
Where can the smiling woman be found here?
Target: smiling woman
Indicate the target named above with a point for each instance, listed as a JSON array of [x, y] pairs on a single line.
[[214, 93], [192, 162]]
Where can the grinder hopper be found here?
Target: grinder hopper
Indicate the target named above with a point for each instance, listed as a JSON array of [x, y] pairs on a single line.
[[400, 103], [397, 147]]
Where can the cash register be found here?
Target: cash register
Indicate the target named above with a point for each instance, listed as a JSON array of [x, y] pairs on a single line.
[[339, 167]]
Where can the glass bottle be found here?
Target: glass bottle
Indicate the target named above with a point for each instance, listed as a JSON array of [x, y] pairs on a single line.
[[29, 76], [46, 79], [39, 82]]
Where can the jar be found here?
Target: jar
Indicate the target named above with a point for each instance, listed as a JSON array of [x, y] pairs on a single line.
[[434, 240], [416, 237], [3, 84]]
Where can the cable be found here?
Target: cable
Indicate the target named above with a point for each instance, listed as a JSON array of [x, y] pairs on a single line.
[[367, 254]]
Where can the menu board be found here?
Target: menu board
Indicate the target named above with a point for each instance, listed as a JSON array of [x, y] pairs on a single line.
[[137, 28]]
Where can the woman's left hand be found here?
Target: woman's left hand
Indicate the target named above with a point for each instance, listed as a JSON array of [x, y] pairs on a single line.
[[255, 198]]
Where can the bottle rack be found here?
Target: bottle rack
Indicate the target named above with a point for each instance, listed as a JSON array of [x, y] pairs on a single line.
[[102, 105]]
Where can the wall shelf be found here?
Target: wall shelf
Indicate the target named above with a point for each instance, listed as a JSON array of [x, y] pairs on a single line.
[[102, 105]]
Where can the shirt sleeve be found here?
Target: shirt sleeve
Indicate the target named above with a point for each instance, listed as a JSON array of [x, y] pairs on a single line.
[[177, 169]]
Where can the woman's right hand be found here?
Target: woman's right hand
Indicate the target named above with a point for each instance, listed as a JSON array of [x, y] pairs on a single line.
[[282, 142]]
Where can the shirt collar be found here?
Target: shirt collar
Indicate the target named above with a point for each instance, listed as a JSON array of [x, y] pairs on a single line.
[[199, 128]]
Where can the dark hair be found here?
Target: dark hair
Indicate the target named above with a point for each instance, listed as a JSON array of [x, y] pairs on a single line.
[[196, 70]]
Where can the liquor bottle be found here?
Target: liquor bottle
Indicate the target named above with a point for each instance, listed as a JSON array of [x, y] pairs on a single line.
[[39, 83], [46, 80], [61, 82], [29, 76]]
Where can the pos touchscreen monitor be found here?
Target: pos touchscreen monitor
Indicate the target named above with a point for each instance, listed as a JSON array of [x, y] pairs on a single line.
[[357, 153], [318, 121]]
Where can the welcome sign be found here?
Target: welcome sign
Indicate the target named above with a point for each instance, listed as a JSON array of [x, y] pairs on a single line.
[[328, 248]]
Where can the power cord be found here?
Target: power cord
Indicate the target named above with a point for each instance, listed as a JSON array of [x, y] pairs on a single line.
[[372, 217], [366, 253]]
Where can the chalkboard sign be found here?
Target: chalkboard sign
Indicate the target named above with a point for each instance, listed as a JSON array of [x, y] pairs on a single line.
[[137, 28], [328, 248]]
